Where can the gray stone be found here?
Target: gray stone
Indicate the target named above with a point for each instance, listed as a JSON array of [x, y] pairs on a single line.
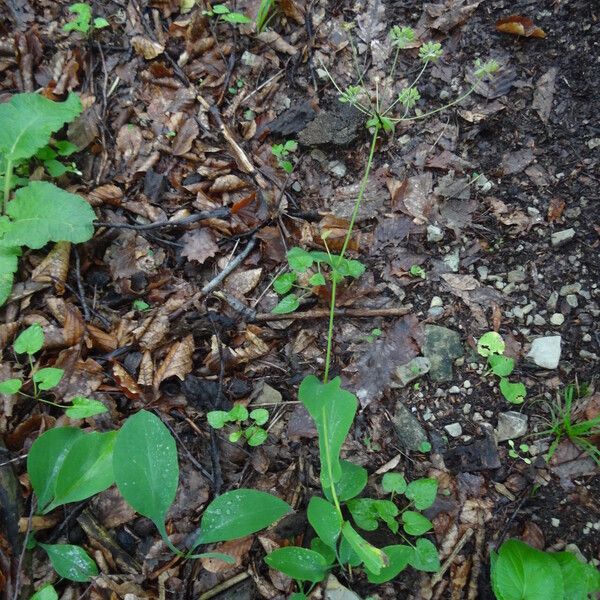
[[552, 301], [572, 300], [408, 429], [441, 347], [436, 301], [338, 126], [570, 288], [545, 351], [435, 311], [338, 168], [539, 320], [562, 237], [416, 368], [511, 425], [454, 429], [434, 233], [263, 393], [334, 590], [557, 319], [483, 272], [516, 276], [452, 260]]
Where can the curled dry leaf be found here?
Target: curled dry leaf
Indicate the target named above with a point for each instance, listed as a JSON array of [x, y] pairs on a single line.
[[55, 267], [518, 25], [146, 374], [272, 38], [178, 362], [8, 331], [101, 340], [126, 382], [152, 331], [106, 194], [237, 549], [184, 140], [129, 142], [199, 245], [555, 209], [251, 349], [146, 47], [228, 183]]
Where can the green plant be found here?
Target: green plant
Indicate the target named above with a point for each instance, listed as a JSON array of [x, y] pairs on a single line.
[[234, 89], [40, 212], [220, 11], [282, 153], [417, 271], [520, 572], [491, 346], [563, 424], [262, 16], [82, 21], [30, 342], [140, 305], [516, 454], [375, 333], [254, 434]]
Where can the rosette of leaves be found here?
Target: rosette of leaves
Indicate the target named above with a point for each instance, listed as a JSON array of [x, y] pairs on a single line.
[[253, 433]]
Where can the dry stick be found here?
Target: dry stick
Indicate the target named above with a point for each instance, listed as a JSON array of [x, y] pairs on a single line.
[[22, 553], [218, 213], [86, 310], [476, 569], [463, 540], [224, 586], [319, 313]]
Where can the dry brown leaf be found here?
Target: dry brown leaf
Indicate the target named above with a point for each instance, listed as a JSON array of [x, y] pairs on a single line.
[[146, 47], [415, 197], [199, 245], [241, 283], [544, 94], [237, 549], [274, 39], [55, 267], [555, 209], [516, 218], [184, 140], [228, 183], [251, 349], [178, 362], [518, 25], [101, 340], [533, 535], [106, 194], [146, 374], [152, 331], [8, 331], [129, 142], [126, 382]]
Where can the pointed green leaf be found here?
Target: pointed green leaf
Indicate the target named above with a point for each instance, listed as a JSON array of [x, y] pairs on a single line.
[[415, 523], [239, 513], [236, 17], [85, 407], [425, 556], [30, 340], [399, 556], [347, 554], [422, 492], [298, 563], [42, 212], [325, 520], [373, 558], [29, 120], [10, 386], [145, 466], [48, 377], [46, 457], [283, 283], [71, 562], [328, 553]]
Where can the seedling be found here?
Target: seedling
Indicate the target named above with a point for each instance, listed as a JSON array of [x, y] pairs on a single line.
[[262, 17], [491, 346], [82, 21], [220, 11], [375, 333], [239, 84], [417, 271], [563, 425], [140, 305], [49, 156], [282, 153], [253, 433], [516, 454], [40, 211], [30, 342]]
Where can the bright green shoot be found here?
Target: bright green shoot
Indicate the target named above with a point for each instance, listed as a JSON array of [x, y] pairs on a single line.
[[262, 17], [222, 12], [282, 153], [417, 271], [247, 424], [519, 453], [82, 20]]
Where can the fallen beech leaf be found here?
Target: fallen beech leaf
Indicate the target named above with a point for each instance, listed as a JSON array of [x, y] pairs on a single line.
[[146, 374], [126, 382], [101, 340], [178, 361], [228, 183], [184, 140], [241, 283], [152, 331], [146, 47], [518, 25], [106, 194], [237, 549], [533, 535], [199, 245], [55, 267]]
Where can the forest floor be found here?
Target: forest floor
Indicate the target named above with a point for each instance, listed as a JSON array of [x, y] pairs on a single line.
[[495, 199]]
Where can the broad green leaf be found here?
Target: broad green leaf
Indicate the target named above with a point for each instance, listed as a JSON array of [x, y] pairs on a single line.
[[394, 483], [239, 513], [85, 407], [82, 21], [298, 563], [415, 523], [45, 593], [425, 556], [399, 556], [490, 343], [367, 512], [48, 377], [422, 492], [55, 168], [46, 457], [29, 120], [325, 520], [299, 260], [236, 17], [317, 279], [328, 553], [86, 470], [355, 268], [9, 262], [373, 558], [238, 413], [522, 572], [145, 466], [255, 436], [65, 148], [286, 305], [347, 554], [332, 409], [10, 386], [514, 393], [30, 341], [259, 415], [42, 212], [579, 579], [283, 283], [71, 562], [351, 483], [501, 365], [217, 418]]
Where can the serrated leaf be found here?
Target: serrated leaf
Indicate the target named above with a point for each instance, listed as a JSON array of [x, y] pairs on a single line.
[[514, 393], [71, 562], [298, 563], [42, 212], [28, 121], [299, 260], [86, 470], [325, 520], [29, 340], [10, 386], [239, 513], [45, 458], [85, 407], [501, 365], [259, 415], [422, 492], [145, 466], [287, 305], [217, 418], [415, 523], [48, 378], [255, 436], [283, 283], [399, 556], [317, 279], [373, 558]]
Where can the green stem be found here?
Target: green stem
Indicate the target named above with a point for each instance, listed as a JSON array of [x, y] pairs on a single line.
[[7, 184], [330, 330], [32, 373], [412, 85], [329, 466]]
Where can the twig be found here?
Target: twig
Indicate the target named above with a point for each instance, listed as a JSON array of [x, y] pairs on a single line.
[[224, 586], [23, 550], [84, 304], [320, 313], [463, 540], [219, 213], [476, 568]]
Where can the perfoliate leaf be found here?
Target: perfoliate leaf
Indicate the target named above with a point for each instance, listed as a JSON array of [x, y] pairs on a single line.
[[332, 409], [30, 340], [399, 556], [85, 407], [373, 558], [351, 483], [145, 466], [325, 520], [48, 377], [298, 563], [71, 562], [42, 212], [29, 120], [10, 386], [239, 513]]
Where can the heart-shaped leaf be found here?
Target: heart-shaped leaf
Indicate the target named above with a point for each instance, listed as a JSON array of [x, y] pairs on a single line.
[[393, 483], [425, 556], [415, 523], [514, 393], [48, 377], [500, 365], [422, 492], [10, 386], [85, 407], [30, 340]]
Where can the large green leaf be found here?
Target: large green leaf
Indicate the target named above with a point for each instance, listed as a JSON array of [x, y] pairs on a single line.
[[399, 556], [71, 562], [325, 520], [145, 466], [29, 120], [579, 579], [425, 556], [521, 572], [351, 483], [373, 558], [45, 458], [9, 260], [86, 470], [42, 212], [239, 513], [298, 563], [46, 592], [332, 409]]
